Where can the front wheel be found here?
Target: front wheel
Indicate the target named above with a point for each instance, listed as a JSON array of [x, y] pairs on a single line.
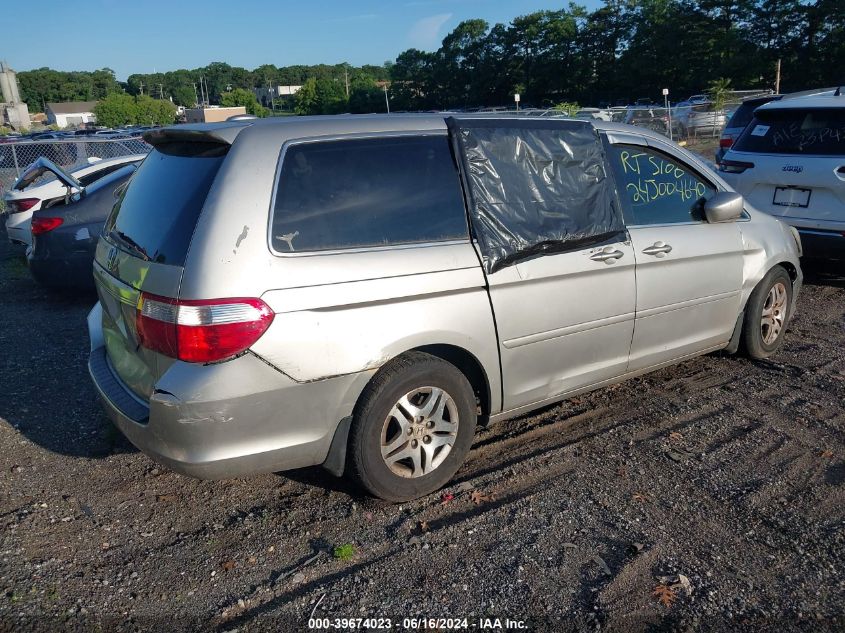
[[767, 314], [412, 428]]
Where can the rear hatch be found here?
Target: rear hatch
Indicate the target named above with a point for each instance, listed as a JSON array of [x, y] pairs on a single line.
[[791, 163], [145, 242]]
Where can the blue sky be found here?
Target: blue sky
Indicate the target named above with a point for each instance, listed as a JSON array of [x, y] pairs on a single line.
[[160, 35]]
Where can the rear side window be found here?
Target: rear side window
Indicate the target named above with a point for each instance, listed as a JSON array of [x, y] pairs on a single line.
[[157, 214], [795, 131], [367, 193]]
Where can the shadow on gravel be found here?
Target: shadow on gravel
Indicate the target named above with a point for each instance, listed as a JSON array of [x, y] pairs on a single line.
[[45, 391], [816, 274], [317, 477]]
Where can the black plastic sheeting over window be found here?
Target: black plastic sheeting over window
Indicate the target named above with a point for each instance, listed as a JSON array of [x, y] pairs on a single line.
[[534, 187]]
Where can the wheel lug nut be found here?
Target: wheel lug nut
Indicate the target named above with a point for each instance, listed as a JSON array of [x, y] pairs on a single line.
[[427, 439], [414, 443]]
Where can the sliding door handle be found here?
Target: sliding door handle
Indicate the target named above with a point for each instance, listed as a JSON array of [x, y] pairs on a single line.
[[658, 249], [608, 255]]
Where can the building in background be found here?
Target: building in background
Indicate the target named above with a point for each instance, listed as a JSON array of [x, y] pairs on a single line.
[[266, 95], [213, 114], [71, 113], [13, 112]]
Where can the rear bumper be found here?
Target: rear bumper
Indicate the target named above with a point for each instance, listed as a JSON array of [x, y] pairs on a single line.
[[234, 423], [18, 233], [71, 271]]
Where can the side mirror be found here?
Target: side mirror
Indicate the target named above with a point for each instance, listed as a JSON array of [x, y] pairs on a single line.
[[725, 206]]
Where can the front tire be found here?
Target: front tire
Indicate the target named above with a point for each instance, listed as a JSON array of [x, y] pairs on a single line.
[[767, 314], [412, 428]]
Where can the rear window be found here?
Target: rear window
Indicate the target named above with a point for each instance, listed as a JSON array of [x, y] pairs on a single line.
[[367, 193], [795, 131], [157, 214], [745, 112]]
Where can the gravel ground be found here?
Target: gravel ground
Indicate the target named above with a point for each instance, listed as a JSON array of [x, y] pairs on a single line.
[[718, 485]]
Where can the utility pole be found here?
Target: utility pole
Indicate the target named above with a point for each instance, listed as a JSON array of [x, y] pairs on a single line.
[[346, 80], [386, 101], [141, 86], [777, 78], [270, 92]]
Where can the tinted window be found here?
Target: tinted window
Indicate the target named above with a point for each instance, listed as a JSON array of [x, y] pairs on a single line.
[[656, 189], [745, 112], [366, 193], [795, 131], [158, 212]]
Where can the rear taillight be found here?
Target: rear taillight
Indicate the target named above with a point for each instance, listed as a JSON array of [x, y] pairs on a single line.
[[22, 204], [726, 141], [734, 166], [43, 225], [201, 331]]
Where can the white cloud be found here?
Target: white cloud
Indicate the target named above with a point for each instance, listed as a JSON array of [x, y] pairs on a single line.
[[425, 34]]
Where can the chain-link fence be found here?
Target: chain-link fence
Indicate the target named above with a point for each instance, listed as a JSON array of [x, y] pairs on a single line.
[[67, 154]]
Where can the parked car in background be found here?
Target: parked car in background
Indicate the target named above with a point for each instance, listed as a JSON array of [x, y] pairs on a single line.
[[741, 117], [64, 237], [44, 184], [276, 294], [589, 114], [654, 118], [790, 162], [698, 118]]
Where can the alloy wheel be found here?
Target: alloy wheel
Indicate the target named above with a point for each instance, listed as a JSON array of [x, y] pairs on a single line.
[[774, 313], [419, 432]]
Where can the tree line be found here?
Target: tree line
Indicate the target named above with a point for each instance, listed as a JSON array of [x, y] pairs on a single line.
[[627, 50], [624, 50]]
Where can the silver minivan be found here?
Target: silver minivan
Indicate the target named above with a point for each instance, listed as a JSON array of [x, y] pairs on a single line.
[[359, 292]]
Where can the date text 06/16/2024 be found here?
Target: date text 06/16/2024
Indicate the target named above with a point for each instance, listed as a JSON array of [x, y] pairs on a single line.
[[413, 624]]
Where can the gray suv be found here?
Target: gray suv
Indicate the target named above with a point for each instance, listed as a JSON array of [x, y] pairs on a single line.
[[361, 291]]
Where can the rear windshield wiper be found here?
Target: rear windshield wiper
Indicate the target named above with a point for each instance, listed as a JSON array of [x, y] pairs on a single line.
[[128, 241]]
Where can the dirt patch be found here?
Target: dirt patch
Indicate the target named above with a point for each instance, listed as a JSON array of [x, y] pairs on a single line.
[[727, 472]]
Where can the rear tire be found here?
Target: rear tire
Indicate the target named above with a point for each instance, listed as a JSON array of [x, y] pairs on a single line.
[[412, 428], [767, 314]]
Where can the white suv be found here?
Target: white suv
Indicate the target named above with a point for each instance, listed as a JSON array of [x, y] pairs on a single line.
[[790, 162]]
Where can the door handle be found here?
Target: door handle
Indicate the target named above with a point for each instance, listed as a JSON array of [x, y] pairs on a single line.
[[608, 255], [658, 249]]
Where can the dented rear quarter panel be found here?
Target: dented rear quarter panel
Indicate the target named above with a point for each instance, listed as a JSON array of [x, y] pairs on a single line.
[[336, 313]]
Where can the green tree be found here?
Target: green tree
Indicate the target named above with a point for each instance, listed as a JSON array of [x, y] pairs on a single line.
[[305, 101], [151, 111], [116, 110], [245, 98]]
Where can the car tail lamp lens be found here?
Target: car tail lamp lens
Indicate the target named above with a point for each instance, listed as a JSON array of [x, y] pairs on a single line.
[[201, 331], [734, 166], [44, 225], [725, 142], [23, 204]]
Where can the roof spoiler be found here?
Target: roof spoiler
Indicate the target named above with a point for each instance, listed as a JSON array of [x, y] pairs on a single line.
[[217, 135]]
